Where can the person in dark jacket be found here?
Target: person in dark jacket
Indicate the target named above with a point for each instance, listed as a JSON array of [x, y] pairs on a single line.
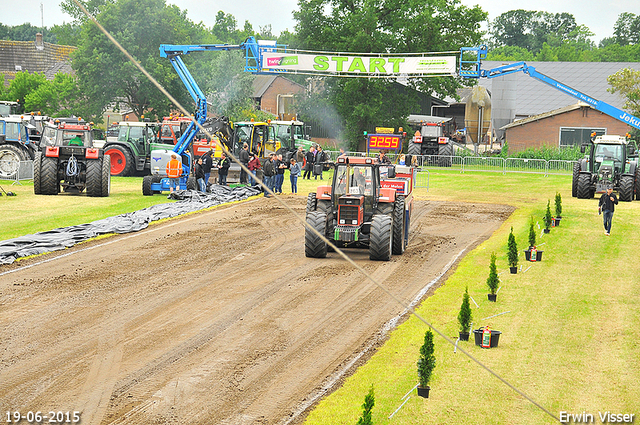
[[320, 158], [280, 167], [254, 165], [199, 172], [607, 204], [207, 165], [269, 171], [223, 169], [308, 169], [243, 157]]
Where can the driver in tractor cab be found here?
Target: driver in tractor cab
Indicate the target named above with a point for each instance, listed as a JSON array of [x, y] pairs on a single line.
[[76, 141]]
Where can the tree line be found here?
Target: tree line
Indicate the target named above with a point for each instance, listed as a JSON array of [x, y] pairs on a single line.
[[104, 78]]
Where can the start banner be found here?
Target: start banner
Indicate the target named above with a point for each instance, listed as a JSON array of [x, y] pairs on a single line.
[[359, 64]]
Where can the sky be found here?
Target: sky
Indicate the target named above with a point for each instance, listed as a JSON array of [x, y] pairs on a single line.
[[598, 15]]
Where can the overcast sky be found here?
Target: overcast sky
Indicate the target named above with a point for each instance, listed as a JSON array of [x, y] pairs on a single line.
[[598, 15]]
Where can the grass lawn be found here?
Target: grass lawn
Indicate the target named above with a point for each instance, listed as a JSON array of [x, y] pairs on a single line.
[[569, 339]]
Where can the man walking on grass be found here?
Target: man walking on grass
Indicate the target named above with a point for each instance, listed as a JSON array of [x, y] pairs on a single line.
[[607, 204]]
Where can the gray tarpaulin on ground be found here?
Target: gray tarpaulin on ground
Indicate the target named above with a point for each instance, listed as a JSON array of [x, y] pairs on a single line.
[[56, 239]]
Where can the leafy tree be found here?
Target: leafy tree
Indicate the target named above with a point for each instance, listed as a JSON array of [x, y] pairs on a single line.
[[510, 53], [23, 84], [57, 98], [94, 7], [627, 29], [67, 34], [396, 26], [627, 83], [367, 406], [107, 76]]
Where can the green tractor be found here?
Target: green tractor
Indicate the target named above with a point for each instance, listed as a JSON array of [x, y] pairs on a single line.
[[612, 161]]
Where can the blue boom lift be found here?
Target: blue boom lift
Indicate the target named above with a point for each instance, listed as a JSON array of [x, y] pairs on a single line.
[[157, 181]]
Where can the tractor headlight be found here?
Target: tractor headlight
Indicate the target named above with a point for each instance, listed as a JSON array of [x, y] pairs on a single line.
[[354, 221], [342, 221]]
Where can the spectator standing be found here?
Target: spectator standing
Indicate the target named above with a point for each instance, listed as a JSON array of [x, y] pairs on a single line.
[[280, 167], [174, 171], [300, 156], [382, 158], [243, 157], [308, 169], [207, 165], [199, 172], [295, 172], [223, 169], [254, 166], [269, 171], [320, 158]]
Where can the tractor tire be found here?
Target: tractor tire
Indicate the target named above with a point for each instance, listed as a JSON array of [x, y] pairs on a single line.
[[314, 246], [637, 184], [121, 163], [584, 186], [49, 183], [146, 185], [399, 241], [445, 152], [574, 182], [10, 157], [380, 238], [192, 184], [311, 202], [325, 207], [626, 188], [385, 208], [106, 176], [37, 167], [93, 185], [414, 149]]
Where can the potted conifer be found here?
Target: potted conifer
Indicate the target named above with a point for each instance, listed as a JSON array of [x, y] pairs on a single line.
[[532, 244], [558, 208], [547, 218], [426, 364], [512, 253], [492, 280], [465, 316]]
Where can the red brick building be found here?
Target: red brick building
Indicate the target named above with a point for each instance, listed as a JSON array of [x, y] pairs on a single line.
[[566, 126], [274, 94]]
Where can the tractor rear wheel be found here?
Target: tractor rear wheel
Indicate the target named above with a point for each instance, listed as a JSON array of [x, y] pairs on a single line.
[[325, 207], [445, 152], [380, 238], [121, 160], [414, 149], [637, 185], [192, 184], [49, 183], [584, 186], [10, 158], [106, 176], [37, 167], [146, 185], [399, 241], [314, 246], [574, 182], [93, 184], [626, 188], [311, 202]]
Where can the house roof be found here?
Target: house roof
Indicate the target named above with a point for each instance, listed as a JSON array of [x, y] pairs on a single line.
[[261, 84], [548, 114], [534, 97], [28, 56]]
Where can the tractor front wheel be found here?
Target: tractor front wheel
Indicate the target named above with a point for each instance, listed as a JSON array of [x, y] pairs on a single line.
[[49, 183], [626, 188], [93, 182], [584, 186], [314, 246], [574, 182], [146, 185], [121, 160], [311, 202], [380, 238]]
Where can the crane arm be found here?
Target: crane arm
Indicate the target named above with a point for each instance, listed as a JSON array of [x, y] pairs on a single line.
[[473, 69]]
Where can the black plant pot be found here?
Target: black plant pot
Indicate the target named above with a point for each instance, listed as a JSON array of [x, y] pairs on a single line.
[[424, 392], [547, 230], [558, 221], [513, 270], [464, 336], [492, 297], [527, 255], [495, 337], [539, 255]]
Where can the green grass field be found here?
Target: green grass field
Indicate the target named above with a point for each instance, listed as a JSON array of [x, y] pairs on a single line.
[[569, 339]]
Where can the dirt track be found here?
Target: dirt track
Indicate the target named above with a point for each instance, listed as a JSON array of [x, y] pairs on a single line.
[[216, 318]]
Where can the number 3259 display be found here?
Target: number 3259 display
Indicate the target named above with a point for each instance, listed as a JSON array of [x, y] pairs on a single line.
[[383, 141]]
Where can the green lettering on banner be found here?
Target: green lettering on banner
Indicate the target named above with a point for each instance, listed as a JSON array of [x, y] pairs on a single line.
[[357, 65], [396, 63], [289, 60], [339, 60], [377, 65], [321, 63]]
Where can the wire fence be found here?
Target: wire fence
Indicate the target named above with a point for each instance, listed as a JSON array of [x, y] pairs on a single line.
[[16, 170]]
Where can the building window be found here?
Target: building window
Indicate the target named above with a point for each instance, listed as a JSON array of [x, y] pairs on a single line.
[[575, 136]]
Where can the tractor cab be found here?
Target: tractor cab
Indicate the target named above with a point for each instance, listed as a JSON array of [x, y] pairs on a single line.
[[355, 178]]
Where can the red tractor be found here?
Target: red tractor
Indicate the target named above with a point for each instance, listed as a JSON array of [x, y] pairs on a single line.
[[71, 162], [368, 205]]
